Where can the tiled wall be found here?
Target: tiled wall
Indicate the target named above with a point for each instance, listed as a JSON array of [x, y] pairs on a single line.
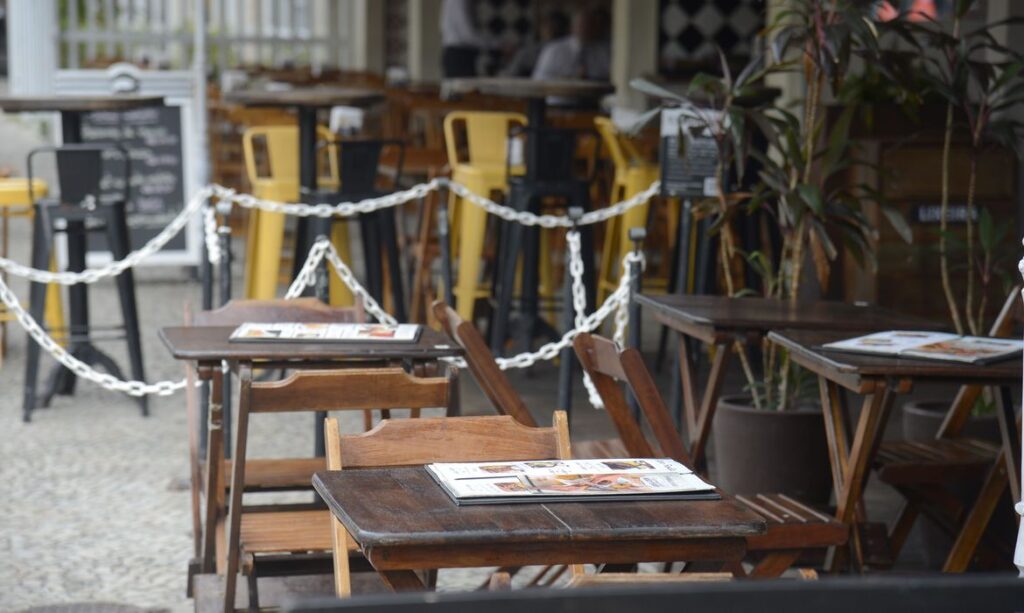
[[690, 30]]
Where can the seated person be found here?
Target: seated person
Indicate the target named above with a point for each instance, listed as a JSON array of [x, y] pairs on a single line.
[[554, 26], [584, 54]]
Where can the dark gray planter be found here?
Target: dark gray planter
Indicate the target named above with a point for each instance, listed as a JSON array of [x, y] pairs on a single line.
[[758, 451]]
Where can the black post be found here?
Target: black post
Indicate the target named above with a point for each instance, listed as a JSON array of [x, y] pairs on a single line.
[[323, 294], [637, 236], [224, 240], [567, 358], [444, 242]]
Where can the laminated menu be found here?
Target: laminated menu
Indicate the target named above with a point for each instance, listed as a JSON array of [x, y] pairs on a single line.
[[570, 481], [325, 332], [932, 346]]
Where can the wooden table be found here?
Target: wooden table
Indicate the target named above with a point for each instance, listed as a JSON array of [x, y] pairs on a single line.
[[71, 109], [721, 322], [879, 379], [209, 347], [404, 521]]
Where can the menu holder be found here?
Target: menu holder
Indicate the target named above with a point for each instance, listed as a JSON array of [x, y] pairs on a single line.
[[932, 346], [543, 481], [293, 332]]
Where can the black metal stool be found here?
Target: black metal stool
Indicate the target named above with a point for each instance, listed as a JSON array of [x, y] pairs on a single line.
[[81, 210], [359, 162], [552, 175]]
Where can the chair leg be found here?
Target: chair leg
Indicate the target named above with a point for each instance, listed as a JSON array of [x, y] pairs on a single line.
[[977, 520], [775, 563], [117, 235], [267, 245], [254, 592], [505, 275], [37, 306], [388, 231]]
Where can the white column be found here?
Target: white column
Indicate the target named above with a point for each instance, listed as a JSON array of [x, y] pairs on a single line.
[[367, 35], [634, 48], [31, 45], [424, 33]]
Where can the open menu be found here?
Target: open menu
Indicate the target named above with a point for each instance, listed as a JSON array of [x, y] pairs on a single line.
[[325, 332], [570, 481], [932, 346]]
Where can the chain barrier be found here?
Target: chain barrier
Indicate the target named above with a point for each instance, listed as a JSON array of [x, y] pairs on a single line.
[[579, 303], [114, 268], [78, 367]]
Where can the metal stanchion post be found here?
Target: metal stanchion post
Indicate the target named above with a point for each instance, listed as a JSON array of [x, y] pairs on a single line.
[[567, 359], [445, 246], [637, 236], [323, 294], [224, 239]]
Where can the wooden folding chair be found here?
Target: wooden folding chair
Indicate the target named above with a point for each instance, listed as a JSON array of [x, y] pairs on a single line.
[[423, 441], [283, 540], [922, 471], [208, 480], [496, 386], [792, 526]]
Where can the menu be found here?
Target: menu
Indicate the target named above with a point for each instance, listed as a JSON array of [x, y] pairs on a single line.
[[932, 346], [325, 332], [570, 481]]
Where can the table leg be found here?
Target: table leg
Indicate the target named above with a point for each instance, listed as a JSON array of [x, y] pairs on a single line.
[[835, 431], [689, 393], [402, 580], [872, 421], [708, 405], [977, 520], [214, 489], [234, 509]]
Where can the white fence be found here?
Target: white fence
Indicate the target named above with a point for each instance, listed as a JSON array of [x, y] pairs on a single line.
[[240, 32]]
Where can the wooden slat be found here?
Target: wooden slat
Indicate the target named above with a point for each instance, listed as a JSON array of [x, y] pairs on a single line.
[[364, 388]]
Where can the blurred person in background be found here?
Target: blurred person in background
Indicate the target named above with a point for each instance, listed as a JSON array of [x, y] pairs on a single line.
[[584, 54], [554, 26], [461, 41]]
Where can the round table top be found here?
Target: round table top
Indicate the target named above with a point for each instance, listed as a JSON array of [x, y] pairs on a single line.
[[318, 97], [77, 104], [522, 87]]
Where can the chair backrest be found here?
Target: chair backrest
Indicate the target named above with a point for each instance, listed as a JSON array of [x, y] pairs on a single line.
[[486, 135], [365, 389], [302, 310], [359, 163], [280, 145], [608, 368], [492, 380], [624, 154], [80, 171], [414, 442]]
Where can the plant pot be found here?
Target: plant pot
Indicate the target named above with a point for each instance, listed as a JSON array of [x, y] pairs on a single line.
[[921, 420], [759, 451]]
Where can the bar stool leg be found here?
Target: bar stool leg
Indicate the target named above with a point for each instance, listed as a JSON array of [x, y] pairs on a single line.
[[36, 308], [117, 237], [389, 233], [505, 273]]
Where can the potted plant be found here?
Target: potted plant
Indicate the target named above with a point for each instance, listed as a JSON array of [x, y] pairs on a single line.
[[797, 192]]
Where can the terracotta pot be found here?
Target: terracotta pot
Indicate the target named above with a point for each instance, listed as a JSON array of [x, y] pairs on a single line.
[[759, 451]]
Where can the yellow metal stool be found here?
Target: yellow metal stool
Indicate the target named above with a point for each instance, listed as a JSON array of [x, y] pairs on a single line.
[[277, 179], [483, 171], [633, 174], [16, 201]]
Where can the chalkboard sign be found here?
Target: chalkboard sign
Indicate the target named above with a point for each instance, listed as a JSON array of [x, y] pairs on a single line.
[[153, 140], [689, 156]]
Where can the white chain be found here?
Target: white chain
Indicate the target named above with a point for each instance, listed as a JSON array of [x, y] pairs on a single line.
[[320, 250], [78, 367], [579, 303], [527, 218], [115, 268]]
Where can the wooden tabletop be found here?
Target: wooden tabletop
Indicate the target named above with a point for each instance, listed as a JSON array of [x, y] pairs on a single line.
[[765, 314], [77, 104], [805, 347], [521, 87], [317, 97], [404, 508], [211, 344]]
